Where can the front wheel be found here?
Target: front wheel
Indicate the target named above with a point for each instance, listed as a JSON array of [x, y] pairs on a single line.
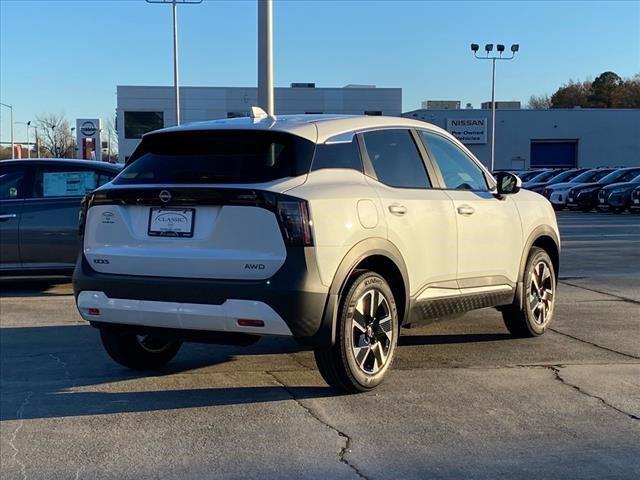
[[535, 315], [138, 352], [366, 336]]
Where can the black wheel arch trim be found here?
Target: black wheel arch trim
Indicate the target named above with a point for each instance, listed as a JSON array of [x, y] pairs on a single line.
[[370, 247], [538, 233]]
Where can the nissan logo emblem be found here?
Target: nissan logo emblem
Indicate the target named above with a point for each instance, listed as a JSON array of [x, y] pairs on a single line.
[[165, 196]]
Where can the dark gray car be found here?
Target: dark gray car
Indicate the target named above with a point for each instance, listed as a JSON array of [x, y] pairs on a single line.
[[39, 206]]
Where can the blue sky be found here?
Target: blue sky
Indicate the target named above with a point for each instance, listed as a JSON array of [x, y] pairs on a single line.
[[68, 56]]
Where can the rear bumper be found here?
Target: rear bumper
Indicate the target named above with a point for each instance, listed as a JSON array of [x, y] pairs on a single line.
[[292, 302]]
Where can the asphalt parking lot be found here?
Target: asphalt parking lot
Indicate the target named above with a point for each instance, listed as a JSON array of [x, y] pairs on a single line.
[[464, 399]]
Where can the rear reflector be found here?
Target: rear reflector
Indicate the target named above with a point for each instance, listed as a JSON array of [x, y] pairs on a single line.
[[244, 322], [93, 311]]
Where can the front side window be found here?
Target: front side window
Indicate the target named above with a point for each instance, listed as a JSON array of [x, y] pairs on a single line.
[[458, 170], [338, 155], [136, 124], [64, 181], [12, 183], [217, 156], [396, 159]]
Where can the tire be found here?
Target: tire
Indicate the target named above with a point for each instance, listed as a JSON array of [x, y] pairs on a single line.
[[365, 344], [557, 208], [535, 316], [138, 352]]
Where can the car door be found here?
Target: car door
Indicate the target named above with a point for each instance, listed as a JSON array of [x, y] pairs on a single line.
[[49, 229], [13, 182], [420, 220], [490, 239]]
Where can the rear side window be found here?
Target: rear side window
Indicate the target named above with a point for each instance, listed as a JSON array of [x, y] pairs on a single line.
[[396, 159], [222, 156], [64, 181], [12, 183], [338, 155]]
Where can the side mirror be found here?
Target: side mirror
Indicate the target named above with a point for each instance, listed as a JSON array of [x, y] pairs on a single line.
[[508, 183]]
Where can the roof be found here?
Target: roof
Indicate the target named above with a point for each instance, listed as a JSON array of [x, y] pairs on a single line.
[[316, 128], [64, 161]]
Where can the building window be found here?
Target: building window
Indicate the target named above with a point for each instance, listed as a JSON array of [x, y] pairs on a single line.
[[237, 114], [373, 113], [313, 113], [136, 124]]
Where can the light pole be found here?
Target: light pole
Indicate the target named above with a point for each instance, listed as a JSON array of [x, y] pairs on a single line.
[[265, 56], [488, 48], [176, 82], [10, 107], [27, 124]]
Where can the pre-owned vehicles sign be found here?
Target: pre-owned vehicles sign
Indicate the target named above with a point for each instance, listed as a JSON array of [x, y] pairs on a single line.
[[468, 130]]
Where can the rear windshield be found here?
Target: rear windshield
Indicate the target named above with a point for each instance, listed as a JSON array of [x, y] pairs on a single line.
[[223, 156]]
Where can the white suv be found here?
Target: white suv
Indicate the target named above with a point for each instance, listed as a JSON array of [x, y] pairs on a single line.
[[334, 230]]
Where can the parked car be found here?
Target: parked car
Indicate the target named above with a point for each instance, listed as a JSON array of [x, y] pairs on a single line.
[[525, 175], [617, 196], [634, 201], [585, 197], [540, 177], [557, 193], [335, 231], [559, 177], [39, 206]]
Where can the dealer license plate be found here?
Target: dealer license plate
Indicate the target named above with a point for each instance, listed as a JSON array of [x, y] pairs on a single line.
[[171, 222]]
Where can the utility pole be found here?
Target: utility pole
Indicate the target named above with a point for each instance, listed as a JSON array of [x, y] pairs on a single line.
[[265, 56], [488, 49]]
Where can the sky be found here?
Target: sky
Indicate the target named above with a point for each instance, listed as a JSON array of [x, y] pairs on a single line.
[[68, 56]]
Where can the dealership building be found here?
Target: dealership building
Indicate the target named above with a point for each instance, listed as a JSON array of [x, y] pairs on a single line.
[[544, 138], [142, 109]]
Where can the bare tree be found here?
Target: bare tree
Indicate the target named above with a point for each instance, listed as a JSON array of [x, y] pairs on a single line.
[[111, 137], [539, 102], [55, 135]]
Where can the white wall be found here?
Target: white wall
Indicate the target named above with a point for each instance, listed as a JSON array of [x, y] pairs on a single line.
[[208, 103], [607, 137]]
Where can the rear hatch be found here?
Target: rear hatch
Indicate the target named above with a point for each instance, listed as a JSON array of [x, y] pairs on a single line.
[[201, 204]]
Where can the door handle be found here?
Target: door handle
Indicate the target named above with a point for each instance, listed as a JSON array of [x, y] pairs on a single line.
[[466, 210], [7, 216], [397, 209]]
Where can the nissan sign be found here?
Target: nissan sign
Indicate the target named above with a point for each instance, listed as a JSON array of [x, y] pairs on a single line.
[[88, 129], [468, 130]]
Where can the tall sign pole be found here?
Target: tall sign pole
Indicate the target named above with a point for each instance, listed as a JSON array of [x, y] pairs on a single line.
[[265, 56], [176, 82]]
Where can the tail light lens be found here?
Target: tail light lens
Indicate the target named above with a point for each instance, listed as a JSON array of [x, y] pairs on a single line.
[[82, 214], [293, 216]]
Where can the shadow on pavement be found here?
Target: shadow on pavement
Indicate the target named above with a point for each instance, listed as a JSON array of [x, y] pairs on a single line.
[[412, 340], [34, 286]]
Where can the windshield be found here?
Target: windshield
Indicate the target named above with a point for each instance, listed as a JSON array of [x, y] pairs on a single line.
[[222, 156], [620, 176], [590, 176], [564, 176], [526, 176]]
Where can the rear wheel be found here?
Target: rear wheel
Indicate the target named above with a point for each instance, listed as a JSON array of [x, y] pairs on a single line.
[[536, 313], [138, 352], [366, 336]]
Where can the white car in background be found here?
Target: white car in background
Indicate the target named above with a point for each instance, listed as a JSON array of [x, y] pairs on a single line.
[[333, 230]]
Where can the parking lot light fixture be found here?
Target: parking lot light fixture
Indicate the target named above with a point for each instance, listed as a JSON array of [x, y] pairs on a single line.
[[488, 49]]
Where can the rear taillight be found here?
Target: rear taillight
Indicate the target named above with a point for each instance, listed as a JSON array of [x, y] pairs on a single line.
[[82, 214], [293, 216]]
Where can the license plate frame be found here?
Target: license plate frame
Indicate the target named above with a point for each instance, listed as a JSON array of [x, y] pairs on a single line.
[[174, 222]]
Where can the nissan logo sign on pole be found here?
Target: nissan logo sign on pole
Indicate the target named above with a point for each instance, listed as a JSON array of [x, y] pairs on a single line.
[[88, 129]]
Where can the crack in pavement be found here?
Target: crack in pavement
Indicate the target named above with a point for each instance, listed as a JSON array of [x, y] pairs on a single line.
[[347, 439], [620, 297], [556, 372], [16, 451], [635, 357]]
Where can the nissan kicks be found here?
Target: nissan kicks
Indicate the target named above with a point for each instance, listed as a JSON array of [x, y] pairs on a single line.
[[333, 230]]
